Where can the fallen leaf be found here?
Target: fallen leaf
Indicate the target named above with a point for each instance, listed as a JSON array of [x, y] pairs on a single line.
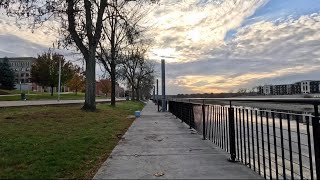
[[159, 174]]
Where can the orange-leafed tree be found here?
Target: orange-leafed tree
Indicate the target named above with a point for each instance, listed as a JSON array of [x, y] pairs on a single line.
[[105, 86], [77, 83]]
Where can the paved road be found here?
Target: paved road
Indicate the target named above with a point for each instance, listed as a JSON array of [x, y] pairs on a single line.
[[157, 144], [46, 102]]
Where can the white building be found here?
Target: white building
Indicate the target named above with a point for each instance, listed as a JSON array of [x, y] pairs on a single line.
[[305, 87], [22, 71], [266, 89]]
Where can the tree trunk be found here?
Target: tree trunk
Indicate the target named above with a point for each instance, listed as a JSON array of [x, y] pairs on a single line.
[[138, 94], [76, 91], [113, 64], [113, 86], [51, 90], [90, 96], [138, 90], [132, 93]]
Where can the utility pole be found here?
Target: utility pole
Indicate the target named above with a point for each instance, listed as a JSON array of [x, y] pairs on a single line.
[[59, 85], [163, 76], [157, 94], [154, 93]]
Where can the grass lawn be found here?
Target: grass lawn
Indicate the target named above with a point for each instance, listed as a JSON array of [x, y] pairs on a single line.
[[60, 142], [46, 96], [43, 96]]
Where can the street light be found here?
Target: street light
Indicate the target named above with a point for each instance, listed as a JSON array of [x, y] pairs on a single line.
[[59, 85]]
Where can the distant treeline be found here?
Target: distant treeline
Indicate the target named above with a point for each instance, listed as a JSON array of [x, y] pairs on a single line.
[[215, 95]]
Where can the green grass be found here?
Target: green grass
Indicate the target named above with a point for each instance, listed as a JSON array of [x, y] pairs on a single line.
[[46, 96], [59, 142]]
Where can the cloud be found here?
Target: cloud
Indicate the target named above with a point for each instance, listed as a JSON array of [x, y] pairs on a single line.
[[193, 28], [260, 53], [212, 45]]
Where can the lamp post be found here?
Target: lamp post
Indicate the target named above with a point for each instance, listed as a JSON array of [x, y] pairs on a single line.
[[163, 87], [59, 83]]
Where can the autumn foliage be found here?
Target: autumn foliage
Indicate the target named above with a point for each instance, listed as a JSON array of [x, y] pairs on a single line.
[[77, 82], [104, 85]]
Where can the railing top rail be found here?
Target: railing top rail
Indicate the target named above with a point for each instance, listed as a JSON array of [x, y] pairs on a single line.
[[313, 101]]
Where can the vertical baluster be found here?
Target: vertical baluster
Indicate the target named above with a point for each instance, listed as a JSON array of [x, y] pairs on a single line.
[[190, 115], [244, 137], [221, 127], [227, 128], [299, 147], [252, 140], [309, 148], [237, 129], [258, 148], [224, 128], [316, 138], [218, 126], [208, 127], [290, 146], [232, 134], [275, 144], [203, 121], [215, 125], [268, 140], [263, 153], [248, 135], [240, 135], [212, 123], [282, 149]]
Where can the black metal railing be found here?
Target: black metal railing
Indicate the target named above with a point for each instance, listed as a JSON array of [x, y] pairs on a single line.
[[275, 144]]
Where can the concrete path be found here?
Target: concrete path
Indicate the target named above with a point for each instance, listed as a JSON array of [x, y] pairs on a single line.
[[158, 144], [47, 102]]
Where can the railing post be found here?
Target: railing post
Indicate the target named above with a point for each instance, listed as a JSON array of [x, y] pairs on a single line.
[[190, 116], [232, 134], [316, 139], [203, 122]]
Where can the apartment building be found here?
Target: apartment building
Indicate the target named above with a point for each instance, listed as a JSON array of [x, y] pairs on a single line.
[[302, 87], [22, 71]]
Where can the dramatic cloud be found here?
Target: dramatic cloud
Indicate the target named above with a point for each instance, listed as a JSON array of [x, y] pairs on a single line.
[[213, 45], [189, 30]]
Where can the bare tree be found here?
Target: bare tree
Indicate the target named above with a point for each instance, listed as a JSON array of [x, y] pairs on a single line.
[[120, 30], [146, 82], [81, 25], [136, 70]]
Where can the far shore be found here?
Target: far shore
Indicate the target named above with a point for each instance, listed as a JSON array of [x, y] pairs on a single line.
[[270, 106]]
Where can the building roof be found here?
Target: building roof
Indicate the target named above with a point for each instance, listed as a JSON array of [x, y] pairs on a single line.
[[19, 58]]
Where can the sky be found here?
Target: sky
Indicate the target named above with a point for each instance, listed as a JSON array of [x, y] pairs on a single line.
[[211, 46]]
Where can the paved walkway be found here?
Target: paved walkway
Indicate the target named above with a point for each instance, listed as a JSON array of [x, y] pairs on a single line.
[[158, 146], [47, 102]]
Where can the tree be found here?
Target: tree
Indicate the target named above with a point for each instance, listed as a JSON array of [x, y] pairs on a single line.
[[120, 30], [77, 82], [105, 86], [145, 78], [137, 71], [45, 70], [147, 84], [81, 25], [6, 75]]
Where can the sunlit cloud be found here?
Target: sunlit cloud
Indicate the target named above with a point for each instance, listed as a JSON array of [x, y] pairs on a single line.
[[213, 45]]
